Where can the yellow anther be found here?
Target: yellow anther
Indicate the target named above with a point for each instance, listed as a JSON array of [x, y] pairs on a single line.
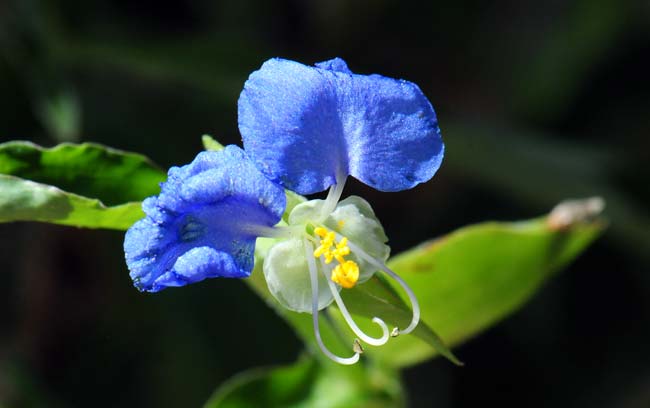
[[341, 250], [325, 244], [320, 251], [346, 274], [341, 223]]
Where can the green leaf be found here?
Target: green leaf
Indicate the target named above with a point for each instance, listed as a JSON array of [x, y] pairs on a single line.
[[24, 200], [377, 298], [308, 383], [281, 386], [90, 170], [464, 282], [474, 277], [72, 184]]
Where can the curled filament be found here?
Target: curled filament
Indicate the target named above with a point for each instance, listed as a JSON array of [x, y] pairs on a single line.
[[348, 319], [313, 275], [380, 265]]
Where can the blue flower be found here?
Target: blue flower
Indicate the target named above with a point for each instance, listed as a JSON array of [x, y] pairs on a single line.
[[204, 222], [308, 128]]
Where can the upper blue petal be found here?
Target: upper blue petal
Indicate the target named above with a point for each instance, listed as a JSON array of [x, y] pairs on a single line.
[[336, 64], [202, 225], [304, 125]]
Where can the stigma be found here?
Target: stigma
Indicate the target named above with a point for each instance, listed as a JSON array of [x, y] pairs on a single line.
[[346, 273]]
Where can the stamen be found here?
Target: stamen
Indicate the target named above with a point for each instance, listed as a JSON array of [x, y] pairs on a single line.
[[357, 347], [325, 244], [273, 232], [313, 275], [380, 265], [333, 197], [348, 318], [346, 273]]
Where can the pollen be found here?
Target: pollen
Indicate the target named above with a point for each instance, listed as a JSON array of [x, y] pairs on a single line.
[[346, 273]]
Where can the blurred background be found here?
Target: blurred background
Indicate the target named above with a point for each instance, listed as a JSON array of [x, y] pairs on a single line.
[[537, 101]]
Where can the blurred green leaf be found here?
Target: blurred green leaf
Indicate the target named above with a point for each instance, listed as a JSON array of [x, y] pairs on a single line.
[[281, 386], [541, 170], [472, 278], [308, 383], [24, 200], [168, 59], [61, 115], [110, 175], [551, 74]]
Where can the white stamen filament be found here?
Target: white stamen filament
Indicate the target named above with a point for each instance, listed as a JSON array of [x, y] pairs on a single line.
[[333, 197], [380, 265], [273, 232], [313, 275], [346, 315]]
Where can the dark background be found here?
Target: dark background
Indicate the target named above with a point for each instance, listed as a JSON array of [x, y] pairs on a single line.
[[537, 101]]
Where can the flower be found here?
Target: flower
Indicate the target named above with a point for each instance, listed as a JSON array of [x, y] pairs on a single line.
[[204, 223], [308, 128]]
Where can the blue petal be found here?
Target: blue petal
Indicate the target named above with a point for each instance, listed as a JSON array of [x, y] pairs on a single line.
[[202, 225], [337, 64], [290, 126], [303, 126]]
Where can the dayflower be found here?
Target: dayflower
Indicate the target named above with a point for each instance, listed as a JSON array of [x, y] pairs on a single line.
[[204, 223], [308, 128]]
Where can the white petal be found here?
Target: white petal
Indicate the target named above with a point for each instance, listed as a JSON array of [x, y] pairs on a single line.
[[287, 276]]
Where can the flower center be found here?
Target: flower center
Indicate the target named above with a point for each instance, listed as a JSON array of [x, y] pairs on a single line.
[[346, 273]]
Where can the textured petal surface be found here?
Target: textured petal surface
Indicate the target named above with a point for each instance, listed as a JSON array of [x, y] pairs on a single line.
[[288, 279], [288, 118], [304, 125], [336, 64], [202, 225], [392, 132]]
